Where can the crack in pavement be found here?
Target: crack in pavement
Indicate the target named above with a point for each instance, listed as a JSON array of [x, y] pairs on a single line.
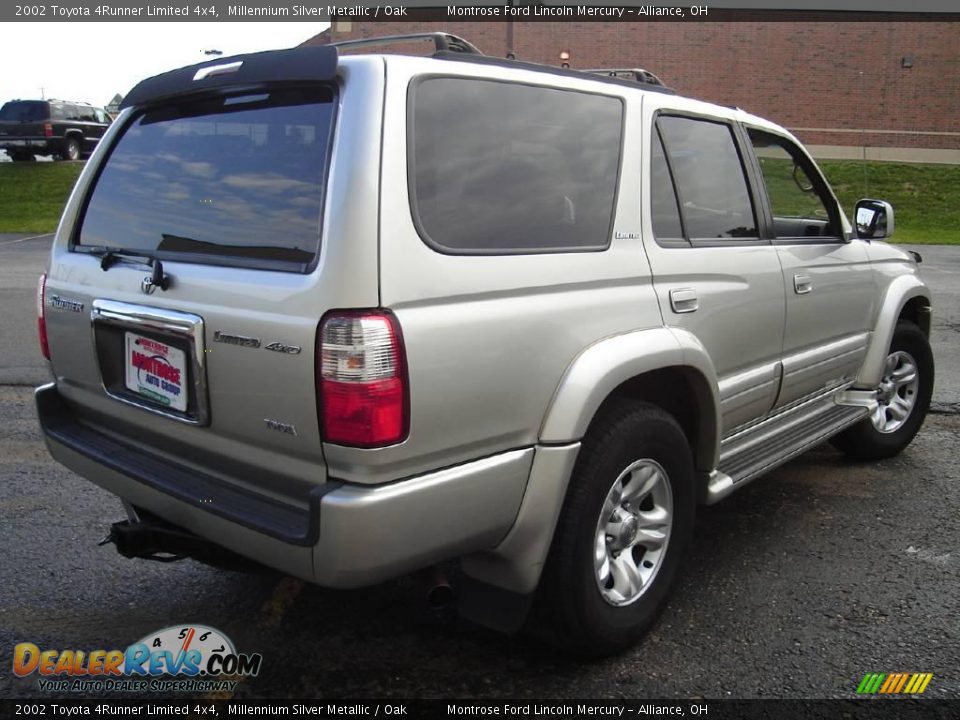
[[948, 408]]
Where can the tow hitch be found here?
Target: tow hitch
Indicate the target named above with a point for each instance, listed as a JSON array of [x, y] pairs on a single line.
[[150, 538]]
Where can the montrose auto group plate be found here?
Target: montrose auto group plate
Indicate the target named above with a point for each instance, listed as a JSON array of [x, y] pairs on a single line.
[[156, 371]]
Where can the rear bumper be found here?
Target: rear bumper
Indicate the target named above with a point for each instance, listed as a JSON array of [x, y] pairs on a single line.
[[36, 144], [340, 536]]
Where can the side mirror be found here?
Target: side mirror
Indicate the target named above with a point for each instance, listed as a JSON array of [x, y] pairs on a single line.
[[874, 219]]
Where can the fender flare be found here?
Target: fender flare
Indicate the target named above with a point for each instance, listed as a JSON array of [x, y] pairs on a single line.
[[898, 293], [513, 568], [602, 367]]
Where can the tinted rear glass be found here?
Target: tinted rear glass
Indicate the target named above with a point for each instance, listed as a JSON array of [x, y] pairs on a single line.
[[710, 178], [507, 168], [24, 111], [227, 180]]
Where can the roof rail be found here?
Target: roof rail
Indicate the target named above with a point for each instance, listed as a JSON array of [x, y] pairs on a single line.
[[638, 74], [442, 42]]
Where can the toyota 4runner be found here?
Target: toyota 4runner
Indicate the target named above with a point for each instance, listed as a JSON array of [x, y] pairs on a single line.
[[353, 316]]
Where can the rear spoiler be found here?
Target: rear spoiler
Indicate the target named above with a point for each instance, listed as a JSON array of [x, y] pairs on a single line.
[[310, 63]]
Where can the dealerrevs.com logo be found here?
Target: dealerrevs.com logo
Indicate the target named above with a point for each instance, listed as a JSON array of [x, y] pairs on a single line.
[[187, 658]]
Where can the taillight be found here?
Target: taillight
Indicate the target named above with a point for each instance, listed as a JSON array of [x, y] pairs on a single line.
[[364, 397], [41, 316], [47, 130]]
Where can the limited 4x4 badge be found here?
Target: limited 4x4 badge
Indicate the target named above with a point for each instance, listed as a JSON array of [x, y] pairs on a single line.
[[252, 342], [283, 348]]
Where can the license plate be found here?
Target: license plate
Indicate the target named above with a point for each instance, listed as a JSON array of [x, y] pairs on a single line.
[[156, 371]]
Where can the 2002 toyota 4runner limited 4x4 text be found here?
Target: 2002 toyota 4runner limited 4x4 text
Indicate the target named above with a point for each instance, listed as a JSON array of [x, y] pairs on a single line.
[[353, 316]]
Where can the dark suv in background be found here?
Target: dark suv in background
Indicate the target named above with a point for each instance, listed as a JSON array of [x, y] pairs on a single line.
[[65, 130]]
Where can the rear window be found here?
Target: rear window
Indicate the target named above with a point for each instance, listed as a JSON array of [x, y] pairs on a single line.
[[501, 168], [24, 111], [235, 180]]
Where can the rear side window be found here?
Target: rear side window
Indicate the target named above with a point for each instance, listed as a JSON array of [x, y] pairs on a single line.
[[235, 180], [665, 213], [709, 177], [499, 168], [24, 111]]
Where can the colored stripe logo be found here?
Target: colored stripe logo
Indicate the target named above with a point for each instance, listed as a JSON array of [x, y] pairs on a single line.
[[894, 683]]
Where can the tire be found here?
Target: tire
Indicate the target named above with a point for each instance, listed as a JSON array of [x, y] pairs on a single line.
[[21, 157], [581, 608], [71, 149], [903, 402]]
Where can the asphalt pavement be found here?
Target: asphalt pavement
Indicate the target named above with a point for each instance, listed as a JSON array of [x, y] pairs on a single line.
[[796, 586]]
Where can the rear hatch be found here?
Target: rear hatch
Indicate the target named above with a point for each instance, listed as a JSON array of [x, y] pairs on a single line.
[[22, 119], [197, 256]]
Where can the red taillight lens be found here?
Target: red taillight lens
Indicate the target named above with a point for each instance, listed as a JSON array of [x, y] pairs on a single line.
[[47, 130], [41, 316], [364, 398]]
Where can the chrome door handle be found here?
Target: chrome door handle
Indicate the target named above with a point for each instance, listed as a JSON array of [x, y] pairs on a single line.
[[684, 300], [802, 284]]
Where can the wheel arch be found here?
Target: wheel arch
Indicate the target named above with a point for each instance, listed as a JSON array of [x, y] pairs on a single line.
[[666, 367], [906, 298]]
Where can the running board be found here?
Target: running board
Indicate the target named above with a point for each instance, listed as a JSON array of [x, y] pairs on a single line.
[[750, 453]]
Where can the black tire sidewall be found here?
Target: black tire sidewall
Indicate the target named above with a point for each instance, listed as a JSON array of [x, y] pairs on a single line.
[[68, 143], [647, 432], [864, 441], [910, 339]]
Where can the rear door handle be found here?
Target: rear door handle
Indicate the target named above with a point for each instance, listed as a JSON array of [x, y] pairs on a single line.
[[684, 300], [802, 284]]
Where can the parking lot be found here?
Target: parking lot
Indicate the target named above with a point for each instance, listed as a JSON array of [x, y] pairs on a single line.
[[795, 587]]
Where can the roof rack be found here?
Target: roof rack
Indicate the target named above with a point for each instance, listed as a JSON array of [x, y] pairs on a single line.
[[442, 42], [638, 74]]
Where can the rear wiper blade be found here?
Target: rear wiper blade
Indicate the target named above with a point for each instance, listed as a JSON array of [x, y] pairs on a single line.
[[109, 256]]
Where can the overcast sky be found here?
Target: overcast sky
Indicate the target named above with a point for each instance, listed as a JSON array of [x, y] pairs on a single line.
[[91, 61]]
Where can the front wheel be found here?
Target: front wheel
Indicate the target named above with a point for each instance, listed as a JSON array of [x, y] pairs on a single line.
[[903, 399], [625, 522]]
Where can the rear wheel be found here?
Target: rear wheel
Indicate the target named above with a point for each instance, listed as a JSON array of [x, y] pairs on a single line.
[[625, 522], [21, 156], [903, 398], [71, 149]]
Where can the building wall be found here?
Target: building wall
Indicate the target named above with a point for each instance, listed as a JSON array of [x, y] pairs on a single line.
[[834, 83]]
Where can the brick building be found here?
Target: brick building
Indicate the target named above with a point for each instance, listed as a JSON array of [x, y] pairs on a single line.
[[882, 87]]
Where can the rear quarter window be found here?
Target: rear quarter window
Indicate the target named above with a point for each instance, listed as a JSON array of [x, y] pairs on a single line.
[[504, 168]]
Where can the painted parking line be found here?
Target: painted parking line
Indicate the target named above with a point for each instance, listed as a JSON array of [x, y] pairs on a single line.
[[21, 240]]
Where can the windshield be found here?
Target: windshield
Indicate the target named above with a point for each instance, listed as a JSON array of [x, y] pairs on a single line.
[[222, 180], [24, 111]]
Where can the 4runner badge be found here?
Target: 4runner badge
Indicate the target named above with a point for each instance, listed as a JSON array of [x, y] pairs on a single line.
[[60, 303]]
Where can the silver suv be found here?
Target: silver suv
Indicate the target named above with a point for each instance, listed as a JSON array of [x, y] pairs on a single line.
[[353, 316]]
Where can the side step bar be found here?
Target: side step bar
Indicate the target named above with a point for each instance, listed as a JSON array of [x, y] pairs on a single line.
[[746, 455]]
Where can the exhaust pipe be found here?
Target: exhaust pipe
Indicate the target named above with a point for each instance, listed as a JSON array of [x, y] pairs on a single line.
[[439, 591]]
